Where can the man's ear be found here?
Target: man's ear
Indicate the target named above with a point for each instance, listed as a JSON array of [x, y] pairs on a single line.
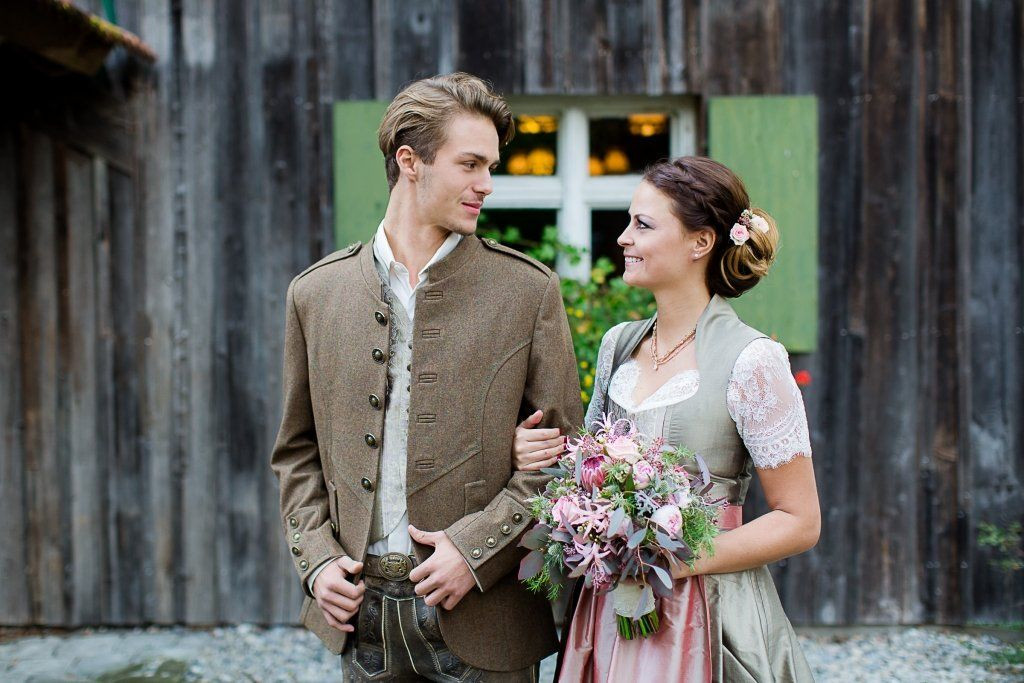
[[407, 161]]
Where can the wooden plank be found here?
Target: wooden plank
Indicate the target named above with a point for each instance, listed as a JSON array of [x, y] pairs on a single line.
[[88, 524], [772, 144], [740, 47], [196, 236], [15, 607], [994, 300], [132, 561], [545, 38], [941, 438], [488, 42], [105, 389], [887, 268], [421, 42], [38, 282]]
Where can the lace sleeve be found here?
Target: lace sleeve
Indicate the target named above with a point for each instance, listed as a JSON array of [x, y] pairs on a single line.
[[766, 405], [602, 374]]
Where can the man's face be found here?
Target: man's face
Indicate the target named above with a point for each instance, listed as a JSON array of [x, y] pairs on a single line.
[[452, 189]]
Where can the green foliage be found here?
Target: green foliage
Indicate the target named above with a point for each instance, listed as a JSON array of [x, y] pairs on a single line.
[[1007, 545], [593, 306]]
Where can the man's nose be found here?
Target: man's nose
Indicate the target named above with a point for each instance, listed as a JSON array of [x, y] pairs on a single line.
[[485, 186]]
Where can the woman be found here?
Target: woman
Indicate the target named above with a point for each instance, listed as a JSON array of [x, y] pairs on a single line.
[[699, 377]]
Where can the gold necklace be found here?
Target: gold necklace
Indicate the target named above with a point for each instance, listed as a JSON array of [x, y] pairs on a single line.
[[675, 349]]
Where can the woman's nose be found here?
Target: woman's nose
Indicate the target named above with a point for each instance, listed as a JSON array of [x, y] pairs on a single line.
[[624, 239]]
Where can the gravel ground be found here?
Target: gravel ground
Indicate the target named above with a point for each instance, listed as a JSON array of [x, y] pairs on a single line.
[[288, 654]]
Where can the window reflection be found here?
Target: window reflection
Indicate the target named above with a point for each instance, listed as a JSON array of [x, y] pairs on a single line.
[[532, 150], [627, 144]]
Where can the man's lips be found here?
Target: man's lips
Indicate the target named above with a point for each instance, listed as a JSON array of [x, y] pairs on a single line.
[[472, 208]]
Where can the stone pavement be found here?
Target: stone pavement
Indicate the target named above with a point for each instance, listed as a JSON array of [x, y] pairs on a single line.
[[247, 653]]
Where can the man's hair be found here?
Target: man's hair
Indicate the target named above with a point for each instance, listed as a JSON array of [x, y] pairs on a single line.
[[419, 116]]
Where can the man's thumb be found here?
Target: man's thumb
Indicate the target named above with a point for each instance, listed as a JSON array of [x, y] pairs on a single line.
[[532, 420], [350, 566], [421, 536]]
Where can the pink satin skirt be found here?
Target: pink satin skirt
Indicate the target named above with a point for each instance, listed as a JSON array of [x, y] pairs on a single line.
[[679, 652]]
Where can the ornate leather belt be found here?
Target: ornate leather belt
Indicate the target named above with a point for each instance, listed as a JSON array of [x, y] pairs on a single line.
[[391, 566]]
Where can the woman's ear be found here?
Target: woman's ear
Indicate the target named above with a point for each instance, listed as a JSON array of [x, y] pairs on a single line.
[[703, 242], [406, 158]]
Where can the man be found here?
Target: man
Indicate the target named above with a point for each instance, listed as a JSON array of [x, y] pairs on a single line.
[[408, 363]]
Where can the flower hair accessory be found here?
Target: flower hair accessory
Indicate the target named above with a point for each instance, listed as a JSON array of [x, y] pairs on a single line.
[[748, 221]]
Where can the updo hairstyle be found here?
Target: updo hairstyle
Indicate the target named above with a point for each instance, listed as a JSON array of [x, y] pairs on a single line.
[[706, 194]]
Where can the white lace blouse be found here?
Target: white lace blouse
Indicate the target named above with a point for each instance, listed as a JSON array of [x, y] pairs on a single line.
[[763, 398]]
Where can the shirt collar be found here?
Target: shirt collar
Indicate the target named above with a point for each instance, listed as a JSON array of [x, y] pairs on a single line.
[[386, 257]]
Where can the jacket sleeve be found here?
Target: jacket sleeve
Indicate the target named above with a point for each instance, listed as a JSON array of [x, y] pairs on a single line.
[[305, 506], [489, 539]]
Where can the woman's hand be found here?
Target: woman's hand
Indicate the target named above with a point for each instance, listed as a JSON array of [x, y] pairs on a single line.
[[535, 449]]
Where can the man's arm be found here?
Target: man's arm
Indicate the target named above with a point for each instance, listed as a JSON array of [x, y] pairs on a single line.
[[488, 539], [305, 509]]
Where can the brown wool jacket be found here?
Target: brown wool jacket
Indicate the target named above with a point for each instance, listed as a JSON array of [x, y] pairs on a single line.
[[491, 345]]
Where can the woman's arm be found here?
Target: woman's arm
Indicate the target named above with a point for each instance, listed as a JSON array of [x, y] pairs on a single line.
[[768, 409], [791, 527]]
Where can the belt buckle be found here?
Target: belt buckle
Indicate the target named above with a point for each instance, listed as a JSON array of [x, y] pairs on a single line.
[[394, 566]]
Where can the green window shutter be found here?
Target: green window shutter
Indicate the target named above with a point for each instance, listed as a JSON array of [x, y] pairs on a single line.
[[360, 183], [772, 144]]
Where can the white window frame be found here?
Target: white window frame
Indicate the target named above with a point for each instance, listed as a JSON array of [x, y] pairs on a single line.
[[572, 192]]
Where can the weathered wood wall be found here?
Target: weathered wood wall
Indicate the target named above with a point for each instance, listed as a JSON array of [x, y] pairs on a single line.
[[141, 309]]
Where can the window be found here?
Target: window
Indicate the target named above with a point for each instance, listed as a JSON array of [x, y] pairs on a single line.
[[581, 158]]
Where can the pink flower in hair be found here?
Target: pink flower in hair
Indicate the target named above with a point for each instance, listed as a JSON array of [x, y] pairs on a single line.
[[739, 234]]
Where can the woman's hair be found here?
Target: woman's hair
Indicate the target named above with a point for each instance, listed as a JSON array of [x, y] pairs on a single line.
[[419, 116], [706, 194]]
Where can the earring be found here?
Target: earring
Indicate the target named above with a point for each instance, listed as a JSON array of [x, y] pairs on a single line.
[[696, 256]]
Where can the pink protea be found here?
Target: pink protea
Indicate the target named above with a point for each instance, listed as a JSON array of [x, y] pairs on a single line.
[[592, 472], [668, 518], [643, 474]]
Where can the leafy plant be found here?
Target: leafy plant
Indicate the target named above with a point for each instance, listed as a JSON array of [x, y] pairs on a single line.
[[1007, 545]]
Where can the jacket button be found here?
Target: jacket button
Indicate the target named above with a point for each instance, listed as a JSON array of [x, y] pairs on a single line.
[[491, 542], [294, 522], [296, 552], [371, 440], [367, 484], [375, 401], [506, 529], [517, 518], [381, 318], [378, 355], [296, 536], [303, 565], [490, 242], [476, 553]]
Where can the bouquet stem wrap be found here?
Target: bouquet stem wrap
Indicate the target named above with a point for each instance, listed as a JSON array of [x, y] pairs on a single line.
[[635, 610]]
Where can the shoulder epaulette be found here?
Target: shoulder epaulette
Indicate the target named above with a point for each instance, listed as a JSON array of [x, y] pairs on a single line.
[[495, 245], [341, 254]]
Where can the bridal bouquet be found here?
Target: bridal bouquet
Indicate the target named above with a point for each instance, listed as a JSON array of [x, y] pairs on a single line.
[[620, 512]]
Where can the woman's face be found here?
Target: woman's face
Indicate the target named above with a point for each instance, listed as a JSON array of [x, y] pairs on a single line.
[[659, 251]]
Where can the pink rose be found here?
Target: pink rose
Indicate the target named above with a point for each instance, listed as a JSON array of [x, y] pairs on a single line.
[[668, 518], [623, 449], [565, 510], [592, 473], [643, 474], [739, 234]]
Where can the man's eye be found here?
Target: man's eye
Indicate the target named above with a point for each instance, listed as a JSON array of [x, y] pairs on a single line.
[[470, 164]]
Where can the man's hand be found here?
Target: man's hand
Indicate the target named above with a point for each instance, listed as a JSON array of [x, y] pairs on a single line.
[[444, 578], [338, 597]]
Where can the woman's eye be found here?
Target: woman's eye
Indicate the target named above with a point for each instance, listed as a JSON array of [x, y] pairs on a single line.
[[643, 226]]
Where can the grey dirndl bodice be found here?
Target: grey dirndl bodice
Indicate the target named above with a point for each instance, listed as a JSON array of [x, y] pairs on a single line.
[[702, 422]]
